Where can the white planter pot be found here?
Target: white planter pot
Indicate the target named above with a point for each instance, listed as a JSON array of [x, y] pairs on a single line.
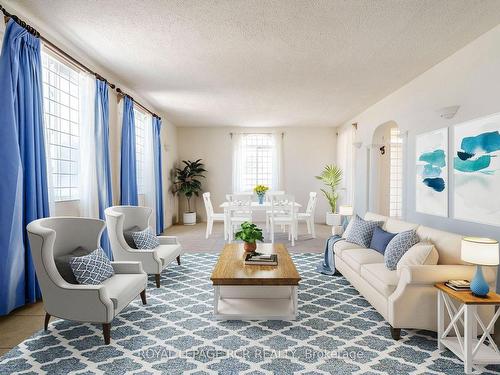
[[333, 219], [189, 218]]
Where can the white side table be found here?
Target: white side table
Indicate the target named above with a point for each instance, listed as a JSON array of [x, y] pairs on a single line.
[[468, 347]]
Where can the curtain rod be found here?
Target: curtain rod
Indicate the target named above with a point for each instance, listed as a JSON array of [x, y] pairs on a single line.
[[51, 46], [232, 133]]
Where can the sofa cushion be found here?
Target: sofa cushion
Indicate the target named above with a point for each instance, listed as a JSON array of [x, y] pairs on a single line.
[[123, 288], [92, 269], [375, 217], [342, 245], [447, 244], [145, 239], [62, 264], [355, 258], [360, 231], [396, 226], [167, 253], [378, 276], [381, 239], [128, 236], [422, 253], [398, 246]]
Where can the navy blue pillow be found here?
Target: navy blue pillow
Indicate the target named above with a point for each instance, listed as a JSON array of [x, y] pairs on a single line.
[[381, 239]]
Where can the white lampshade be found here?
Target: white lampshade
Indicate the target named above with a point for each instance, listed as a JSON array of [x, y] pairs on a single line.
[[346, 210], [483, 251]]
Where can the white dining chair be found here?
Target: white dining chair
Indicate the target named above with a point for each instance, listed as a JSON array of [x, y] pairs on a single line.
[[308, 216], [269, 194], [283, 213], [239, 211], [211, 215]]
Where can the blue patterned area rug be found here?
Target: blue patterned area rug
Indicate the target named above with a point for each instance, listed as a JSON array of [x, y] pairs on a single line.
[[337, 332]]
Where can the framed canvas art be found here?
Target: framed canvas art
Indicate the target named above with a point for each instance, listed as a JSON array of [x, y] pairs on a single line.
[[476, 170], [432, 173]]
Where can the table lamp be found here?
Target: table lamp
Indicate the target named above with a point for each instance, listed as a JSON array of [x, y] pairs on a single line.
[[346, 212], [482, 252]]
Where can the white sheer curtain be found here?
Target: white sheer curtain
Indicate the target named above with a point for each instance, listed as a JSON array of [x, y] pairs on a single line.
[[278, 162], [89, 204], [345, 160], [238, 161], [149, 171]]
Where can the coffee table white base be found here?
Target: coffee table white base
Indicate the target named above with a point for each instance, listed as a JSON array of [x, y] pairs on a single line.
[[467, 347], [255, 302]]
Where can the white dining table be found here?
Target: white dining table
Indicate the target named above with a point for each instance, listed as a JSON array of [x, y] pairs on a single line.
[[254, 206]]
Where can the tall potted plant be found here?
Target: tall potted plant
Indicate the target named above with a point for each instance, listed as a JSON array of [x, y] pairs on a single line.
[[187, 182], [331, 176]]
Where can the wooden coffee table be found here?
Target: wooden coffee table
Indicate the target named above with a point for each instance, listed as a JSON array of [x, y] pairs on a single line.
[[251, 292]]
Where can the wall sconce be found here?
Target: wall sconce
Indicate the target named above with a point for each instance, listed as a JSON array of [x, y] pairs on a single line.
[[448, 112]]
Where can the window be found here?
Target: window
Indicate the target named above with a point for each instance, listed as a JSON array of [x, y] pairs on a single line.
[[140, 119], [396, 181], [62, 128], [257, 152]]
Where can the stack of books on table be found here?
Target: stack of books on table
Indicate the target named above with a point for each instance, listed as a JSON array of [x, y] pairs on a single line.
[[261, 259], [458, 285]]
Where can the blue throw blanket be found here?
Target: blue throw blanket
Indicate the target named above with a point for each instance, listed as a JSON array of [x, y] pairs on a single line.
[[327, 266]]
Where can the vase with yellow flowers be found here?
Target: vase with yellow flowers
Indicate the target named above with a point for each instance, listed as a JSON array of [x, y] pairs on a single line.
[[260, 190]]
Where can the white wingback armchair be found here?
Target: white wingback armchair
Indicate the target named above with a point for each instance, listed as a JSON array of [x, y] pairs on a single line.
[[59, 236], [120, 219]]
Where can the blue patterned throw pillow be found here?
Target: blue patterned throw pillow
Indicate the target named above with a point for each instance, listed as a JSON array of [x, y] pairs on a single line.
[[360, 231], [398, 246], [92, 269], [145, 239]]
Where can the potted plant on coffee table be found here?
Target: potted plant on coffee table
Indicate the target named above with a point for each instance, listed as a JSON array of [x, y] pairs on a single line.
[[250, 234], [331, 177], [187, 182]]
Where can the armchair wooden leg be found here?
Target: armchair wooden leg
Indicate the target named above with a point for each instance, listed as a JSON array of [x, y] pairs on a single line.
[[47, 319], [106, 331], [178, 260], [395, 333], [157, 278], [143, 297]]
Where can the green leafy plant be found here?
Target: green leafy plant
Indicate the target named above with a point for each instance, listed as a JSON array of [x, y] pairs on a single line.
[[187, 179], [249, 233], [331, 177]]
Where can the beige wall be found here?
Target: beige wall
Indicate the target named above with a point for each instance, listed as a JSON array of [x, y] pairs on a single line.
[[305, 152], [469, 78]]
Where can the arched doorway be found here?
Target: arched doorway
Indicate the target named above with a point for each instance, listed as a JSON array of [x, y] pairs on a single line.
[[386, 171]]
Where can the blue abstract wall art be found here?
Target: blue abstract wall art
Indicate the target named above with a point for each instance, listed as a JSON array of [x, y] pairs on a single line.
[[432, 173], [476, 170]]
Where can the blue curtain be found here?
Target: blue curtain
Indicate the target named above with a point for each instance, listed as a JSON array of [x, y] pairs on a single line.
[[103, 167], [23, 175], [158, 178], [128, 168]]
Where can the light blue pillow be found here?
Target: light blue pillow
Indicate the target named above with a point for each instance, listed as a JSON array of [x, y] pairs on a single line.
[[398, 246], [145, 239], [360, 231], [92, 269]]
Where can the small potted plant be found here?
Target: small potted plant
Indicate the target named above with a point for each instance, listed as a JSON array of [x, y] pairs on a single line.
[[187, 182], [260, 190], [331, 177], [250, 234]]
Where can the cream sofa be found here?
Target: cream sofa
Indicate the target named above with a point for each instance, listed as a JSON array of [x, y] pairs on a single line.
[[407, 300]]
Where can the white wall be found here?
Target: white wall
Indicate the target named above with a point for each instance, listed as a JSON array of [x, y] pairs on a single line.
[[168, 134], [469, 78], [305, 152]]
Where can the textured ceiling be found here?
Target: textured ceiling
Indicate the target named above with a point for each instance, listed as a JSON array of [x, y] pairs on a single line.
[[263, 62]]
